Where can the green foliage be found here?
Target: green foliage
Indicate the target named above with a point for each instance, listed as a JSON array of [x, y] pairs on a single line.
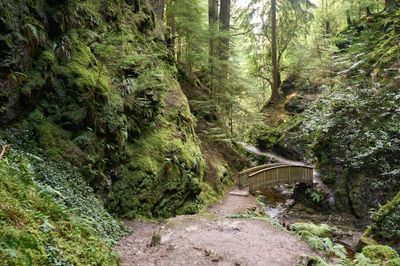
[[321, 230], [379, 254], [36, 222], [352, 128], [318, 237], [63, 182]]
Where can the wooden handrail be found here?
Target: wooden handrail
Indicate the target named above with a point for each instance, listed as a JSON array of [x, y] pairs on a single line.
[[261, 167], [261, 177], [281, 166], [243, 176]]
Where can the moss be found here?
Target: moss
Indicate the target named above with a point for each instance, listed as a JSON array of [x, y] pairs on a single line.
[[34, 82], [57, 141], [365, 241], [84, 73], [385, 227], [164, 175], [380, 254], [321, 230], [105, 98]]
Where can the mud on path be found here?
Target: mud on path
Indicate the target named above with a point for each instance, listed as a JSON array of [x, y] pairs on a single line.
[[211, 239]]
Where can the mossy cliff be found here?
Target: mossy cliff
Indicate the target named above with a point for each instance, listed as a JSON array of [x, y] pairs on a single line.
[[97, 85]]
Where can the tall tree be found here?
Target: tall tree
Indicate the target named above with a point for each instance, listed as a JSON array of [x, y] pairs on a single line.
[[171, 23], [158, 8], [274, 69], [286, 20], [225, 18], [213, 28]]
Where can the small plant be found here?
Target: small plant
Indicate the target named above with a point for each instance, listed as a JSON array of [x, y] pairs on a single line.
[[155, 240]]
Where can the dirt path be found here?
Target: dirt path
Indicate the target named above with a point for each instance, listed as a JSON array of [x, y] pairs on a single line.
[[211, 239]]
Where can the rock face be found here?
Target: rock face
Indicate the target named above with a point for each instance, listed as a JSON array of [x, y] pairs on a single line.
[[288, 85], [297, 104]]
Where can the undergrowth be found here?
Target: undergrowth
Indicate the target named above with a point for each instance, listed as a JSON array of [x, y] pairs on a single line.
[[45, 220]]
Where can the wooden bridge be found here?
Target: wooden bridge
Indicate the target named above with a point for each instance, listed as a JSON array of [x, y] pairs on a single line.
[[269, 175]]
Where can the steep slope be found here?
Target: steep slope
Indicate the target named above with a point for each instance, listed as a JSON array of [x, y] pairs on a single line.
[[48, 215], [96, 84]]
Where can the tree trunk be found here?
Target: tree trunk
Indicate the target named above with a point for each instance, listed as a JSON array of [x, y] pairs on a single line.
[[349, 22], [213, 25], [225, 19], [171, 23], [274, 78], [158, 8], [391, 4], [368, 11]]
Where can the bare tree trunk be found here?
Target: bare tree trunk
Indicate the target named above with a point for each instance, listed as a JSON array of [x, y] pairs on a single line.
[[158, 8], [225, 18], [368, 11], [274, 78], [349, 22], [171, 23], [213, 25]]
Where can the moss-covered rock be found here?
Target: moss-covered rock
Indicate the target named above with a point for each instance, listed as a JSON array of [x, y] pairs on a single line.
[[385, 227], [382, 255], [297, 104], [163, 177]]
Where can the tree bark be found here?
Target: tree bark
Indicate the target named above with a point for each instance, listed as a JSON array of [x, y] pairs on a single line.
[[213, 26], [392, 4], [158, 8], [274, 77], [171, 23], [225, 18]]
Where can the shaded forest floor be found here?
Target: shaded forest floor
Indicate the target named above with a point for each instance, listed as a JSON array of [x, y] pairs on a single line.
[[211, 238]]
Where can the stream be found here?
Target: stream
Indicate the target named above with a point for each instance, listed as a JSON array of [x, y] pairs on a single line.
[[281, 207]]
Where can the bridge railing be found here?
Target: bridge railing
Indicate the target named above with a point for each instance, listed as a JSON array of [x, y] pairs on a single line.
[[244, 175], [272, 176]]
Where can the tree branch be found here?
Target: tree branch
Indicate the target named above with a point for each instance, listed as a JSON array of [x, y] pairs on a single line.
[[4, 147], [261, 76]]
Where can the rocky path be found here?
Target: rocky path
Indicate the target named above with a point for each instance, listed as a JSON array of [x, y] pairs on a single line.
[[211, 239]]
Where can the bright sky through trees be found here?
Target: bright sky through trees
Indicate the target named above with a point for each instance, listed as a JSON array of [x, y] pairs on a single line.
[[245, 3]]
